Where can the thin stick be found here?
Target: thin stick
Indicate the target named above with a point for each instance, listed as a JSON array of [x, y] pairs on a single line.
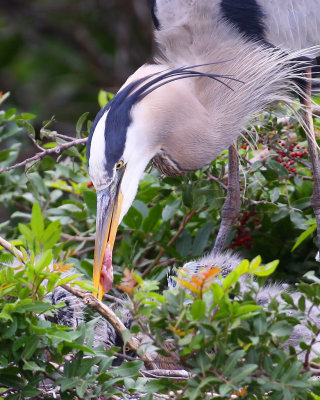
[[39, 156], [109, 315], [158, 373], [171, 241], [78, 238], [13, 250], [84, 251]]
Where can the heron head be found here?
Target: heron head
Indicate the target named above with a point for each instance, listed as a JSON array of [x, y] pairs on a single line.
[[124, 137], [118, 151]]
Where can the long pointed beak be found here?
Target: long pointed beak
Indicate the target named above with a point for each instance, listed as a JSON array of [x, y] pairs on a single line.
[[109, 203]]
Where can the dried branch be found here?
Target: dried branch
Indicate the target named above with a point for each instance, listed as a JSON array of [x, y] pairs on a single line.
[[109, 315], [171, 241], [54, 134], [314, 365], [77, 238], [39, 156], [180, 374], [113, 299], [84, 251], [306, 363], [13, 250]]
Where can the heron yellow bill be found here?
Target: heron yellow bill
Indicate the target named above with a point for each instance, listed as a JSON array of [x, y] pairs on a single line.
[[109, 203]]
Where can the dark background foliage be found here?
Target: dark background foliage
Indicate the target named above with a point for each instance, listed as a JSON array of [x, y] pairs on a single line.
[[56, 55]]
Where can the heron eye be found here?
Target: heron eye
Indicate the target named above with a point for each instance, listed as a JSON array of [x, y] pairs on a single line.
[[119, 165], [127, 348]]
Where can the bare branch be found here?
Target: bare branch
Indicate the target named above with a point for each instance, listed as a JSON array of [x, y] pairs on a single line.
[[84, 251], [113, 299], [306, 363], [109, 315], [77, 238], [13, 250], [167, 373], [171, 241], [39, 156], [55, 134]]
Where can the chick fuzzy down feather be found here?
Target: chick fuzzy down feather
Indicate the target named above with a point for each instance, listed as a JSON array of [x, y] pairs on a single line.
[[227, 262]]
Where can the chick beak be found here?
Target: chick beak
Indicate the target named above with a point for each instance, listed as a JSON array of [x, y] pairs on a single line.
[[109, 203]]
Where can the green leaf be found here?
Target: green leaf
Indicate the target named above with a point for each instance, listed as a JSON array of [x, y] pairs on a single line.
[[130, 368], [133, 219], [27, 116], [275, 194], [27, 233], [104, 98], [232, 361], [302, 303], [37, 224], [312, 277], [243, 267], [30, 392], [80, 123], [198, 309], [266, 270], [230, 279], [217, 291], [280, 329], [67, 383], [24, 124], [201, 240], [32, 366], [51, 234], [4, 155], [31, 347], [44, 261], [90, 198], [303, 236], [81, 390], [241, 373], [151, 220], [183, 244], [255, 263], [187, 196], [4, 97]]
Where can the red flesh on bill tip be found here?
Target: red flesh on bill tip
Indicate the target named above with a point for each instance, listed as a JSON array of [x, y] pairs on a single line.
[[106, 277]]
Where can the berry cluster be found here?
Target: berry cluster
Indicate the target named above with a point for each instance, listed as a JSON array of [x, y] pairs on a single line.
[[290, 154], [245, 146], [247, 222]]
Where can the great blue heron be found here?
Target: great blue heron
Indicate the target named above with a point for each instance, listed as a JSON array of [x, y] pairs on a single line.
[[243, 55]]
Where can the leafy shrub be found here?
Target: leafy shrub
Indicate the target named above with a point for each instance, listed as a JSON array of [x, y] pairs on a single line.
[[227, 342]]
